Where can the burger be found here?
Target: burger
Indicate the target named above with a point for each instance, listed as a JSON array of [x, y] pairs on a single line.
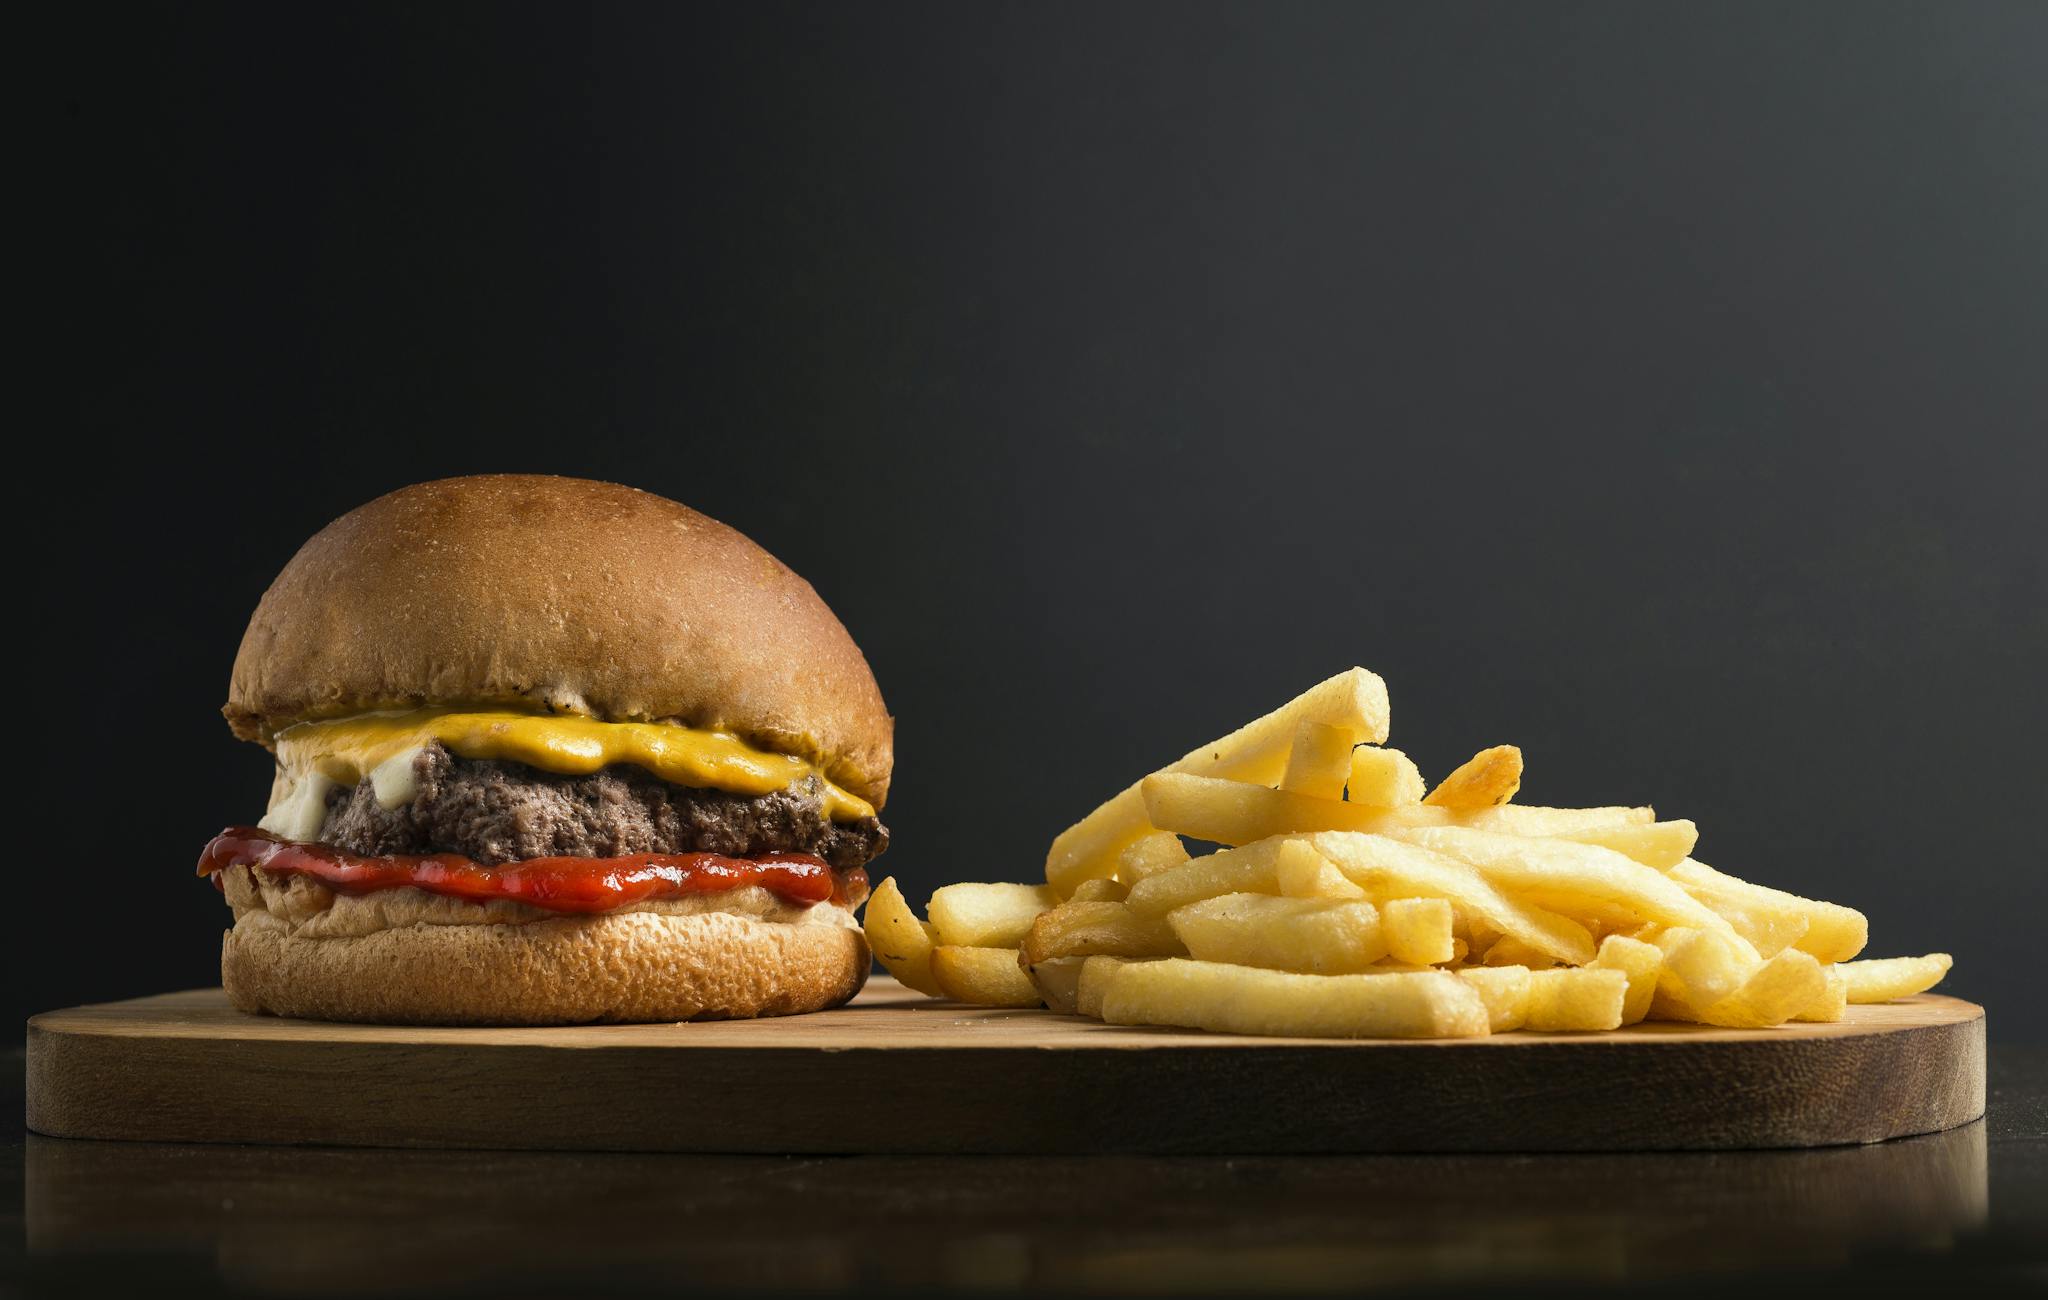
[[549, 751]]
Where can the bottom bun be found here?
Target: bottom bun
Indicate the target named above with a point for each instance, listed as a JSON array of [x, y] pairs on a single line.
[[626, 966]]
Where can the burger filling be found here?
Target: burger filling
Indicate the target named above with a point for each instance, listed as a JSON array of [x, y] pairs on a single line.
[[494, 812]]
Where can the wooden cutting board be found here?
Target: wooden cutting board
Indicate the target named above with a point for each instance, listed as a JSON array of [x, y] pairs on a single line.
[[898, 1073]]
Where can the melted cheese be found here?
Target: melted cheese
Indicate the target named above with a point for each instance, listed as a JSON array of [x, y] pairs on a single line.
[[314, 757]]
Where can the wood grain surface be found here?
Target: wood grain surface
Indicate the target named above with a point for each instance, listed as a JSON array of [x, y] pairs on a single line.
[[897, 1073]]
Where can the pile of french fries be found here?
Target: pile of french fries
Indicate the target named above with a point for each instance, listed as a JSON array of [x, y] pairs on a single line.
[[1351, 900]]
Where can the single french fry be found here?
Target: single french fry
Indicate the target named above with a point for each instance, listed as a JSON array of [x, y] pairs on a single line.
[[1775, 992], [1701, 967], [1418, 930], [1566, 1000], [1312, 935], [988, 977], [1150, 854], [1245, 1000], [1096, 973], [1831, 933], [1489, 777], [1101, 890], [1884, 978], [1301, 872], [1657, 845], [1639, 961], [1383, 778], [1232, 812], [1256, 752], [899, 940], [1833, 1003], [1505, 990], [1058, 982], [1087, 929], [987, 915], [1534, 819], [1251, 869], [1391, 868], [1510, 951], [1320, 761]]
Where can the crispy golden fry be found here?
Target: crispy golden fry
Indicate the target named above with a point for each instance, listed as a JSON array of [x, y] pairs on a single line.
[[987, 916], [1831, 932], [1658, 845], [1587, 883], [1505, 990], [1248, 870], [1232, 812], [1301, 872], [1833, 1003], [1390, 868], [1320, 761], [1533, 819], [1150, 854], [1058, 982], [1775, 992], [1383, 778], [1640, 962], [1418, 930], [1101, 890], [1088, 929], [988, 977], [1885, 978], [1701, 967], [901, 942], [1312, 935], [1489, 777], [1096, 973], [1585, 999], [1510, 951], [1256, 752], [1244, 1000]]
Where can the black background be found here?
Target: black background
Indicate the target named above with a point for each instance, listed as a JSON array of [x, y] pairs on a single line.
[[1659, 388]]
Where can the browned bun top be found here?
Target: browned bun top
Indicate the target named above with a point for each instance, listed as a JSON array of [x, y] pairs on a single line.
[[564, 594]]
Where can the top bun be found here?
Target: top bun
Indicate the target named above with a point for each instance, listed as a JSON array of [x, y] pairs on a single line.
[[566, 595]]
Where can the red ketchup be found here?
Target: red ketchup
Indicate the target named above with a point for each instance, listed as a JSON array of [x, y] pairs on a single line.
[[556, 884]]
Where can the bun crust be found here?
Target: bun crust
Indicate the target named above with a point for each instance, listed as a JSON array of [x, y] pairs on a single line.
[[564, 594], [622, 967]]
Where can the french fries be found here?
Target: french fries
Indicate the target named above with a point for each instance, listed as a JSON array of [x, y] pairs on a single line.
[[1312, 935], [1058, 982], [1659, 845], [1096, 973], [1098, 929], [1828, 931], [1418, 930], [1352, 900], [1232, 812], [1243, 1000], [1383, 778], [1888, 978], [1640, 962], [1577, 999], [987, 916], [901, 942], [1319, 764], [1148, 855], [1489, 777], [1256, 752], [989, 977]]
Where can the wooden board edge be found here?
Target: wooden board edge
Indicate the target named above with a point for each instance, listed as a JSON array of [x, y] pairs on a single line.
[[935, 1100]]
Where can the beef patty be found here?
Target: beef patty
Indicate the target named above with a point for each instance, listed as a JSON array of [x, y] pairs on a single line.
[[495, 812]]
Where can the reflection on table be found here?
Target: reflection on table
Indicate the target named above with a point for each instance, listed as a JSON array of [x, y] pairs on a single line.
[[304, 1221]]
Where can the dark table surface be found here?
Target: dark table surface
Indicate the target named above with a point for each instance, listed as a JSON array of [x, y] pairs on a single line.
[[1966, 1207]]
